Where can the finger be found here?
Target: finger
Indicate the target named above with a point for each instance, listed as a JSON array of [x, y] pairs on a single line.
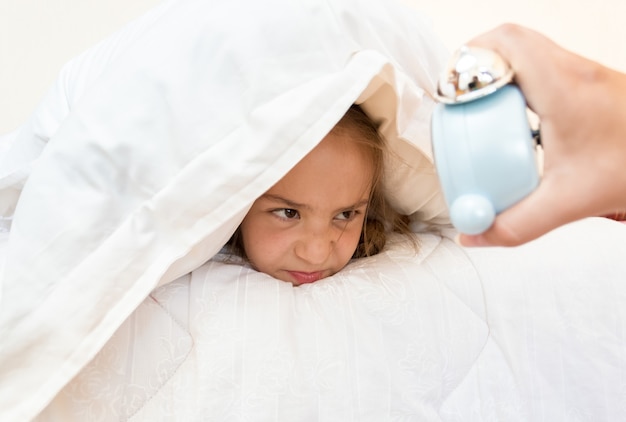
[[542, 211]]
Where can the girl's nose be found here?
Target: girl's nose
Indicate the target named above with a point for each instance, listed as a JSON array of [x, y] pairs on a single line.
[[315, 248]]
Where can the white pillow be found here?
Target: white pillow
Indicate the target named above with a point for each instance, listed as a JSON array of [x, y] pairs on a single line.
[[157, 161], [384, 339]]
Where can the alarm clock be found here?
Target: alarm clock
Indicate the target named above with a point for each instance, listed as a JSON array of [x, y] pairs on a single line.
[[484, 149]]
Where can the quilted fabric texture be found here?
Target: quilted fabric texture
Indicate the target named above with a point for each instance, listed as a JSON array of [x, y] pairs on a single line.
[[385, 339], [445, 335]]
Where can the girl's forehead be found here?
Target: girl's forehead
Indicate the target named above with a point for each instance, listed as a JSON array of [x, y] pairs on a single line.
[[337, 155], [338, 170]]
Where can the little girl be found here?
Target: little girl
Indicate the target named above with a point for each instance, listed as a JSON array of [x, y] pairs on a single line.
[[328, 209]]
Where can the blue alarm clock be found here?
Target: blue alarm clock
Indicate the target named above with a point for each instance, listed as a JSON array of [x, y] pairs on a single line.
[[483, 145]]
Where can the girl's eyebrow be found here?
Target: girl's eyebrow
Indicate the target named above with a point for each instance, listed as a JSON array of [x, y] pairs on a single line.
[[296, 205], [285, 201], [359, 204]]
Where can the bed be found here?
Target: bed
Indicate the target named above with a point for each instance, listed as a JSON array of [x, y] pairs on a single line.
[[120, 190]]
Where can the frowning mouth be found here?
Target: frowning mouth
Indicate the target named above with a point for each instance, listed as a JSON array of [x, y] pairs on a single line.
[[304, 278]]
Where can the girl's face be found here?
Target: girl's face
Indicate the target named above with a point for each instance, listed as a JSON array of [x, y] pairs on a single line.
[[307, 226]]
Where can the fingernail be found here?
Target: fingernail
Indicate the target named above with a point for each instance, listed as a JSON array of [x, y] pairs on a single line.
[[457, 239]]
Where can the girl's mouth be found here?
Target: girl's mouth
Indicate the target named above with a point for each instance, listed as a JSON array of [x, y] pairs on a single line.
[[304, 278]]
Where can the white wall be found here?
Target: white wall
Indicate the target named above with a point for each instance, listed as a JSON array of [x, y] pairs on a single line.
[[38, 36], [593, 28]]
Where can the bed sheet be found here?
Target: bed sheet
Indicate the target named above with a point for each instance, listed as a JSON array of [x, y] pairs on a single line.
[[449, 334]]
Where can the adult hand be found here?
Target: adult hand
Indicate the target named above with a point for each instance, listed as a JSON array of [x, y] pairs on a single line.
[[582, 108]]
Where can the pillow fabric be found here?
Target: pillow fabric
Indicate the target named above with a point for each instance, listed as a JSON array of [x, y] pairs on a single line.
[[383, 339], [155, 158], [447, 334]]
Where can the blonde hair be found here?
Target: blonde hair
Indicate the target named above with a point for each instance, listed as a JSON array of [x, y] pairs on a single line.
[[381, 217]]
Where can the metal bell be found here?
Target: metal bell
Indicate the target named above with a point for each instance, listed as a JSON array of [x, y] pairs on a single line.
[[472, 73]]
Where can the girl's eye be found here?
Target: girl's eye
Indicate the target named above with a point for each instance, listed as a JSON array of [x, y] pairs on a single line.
[[286, 213], [346, 215]]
